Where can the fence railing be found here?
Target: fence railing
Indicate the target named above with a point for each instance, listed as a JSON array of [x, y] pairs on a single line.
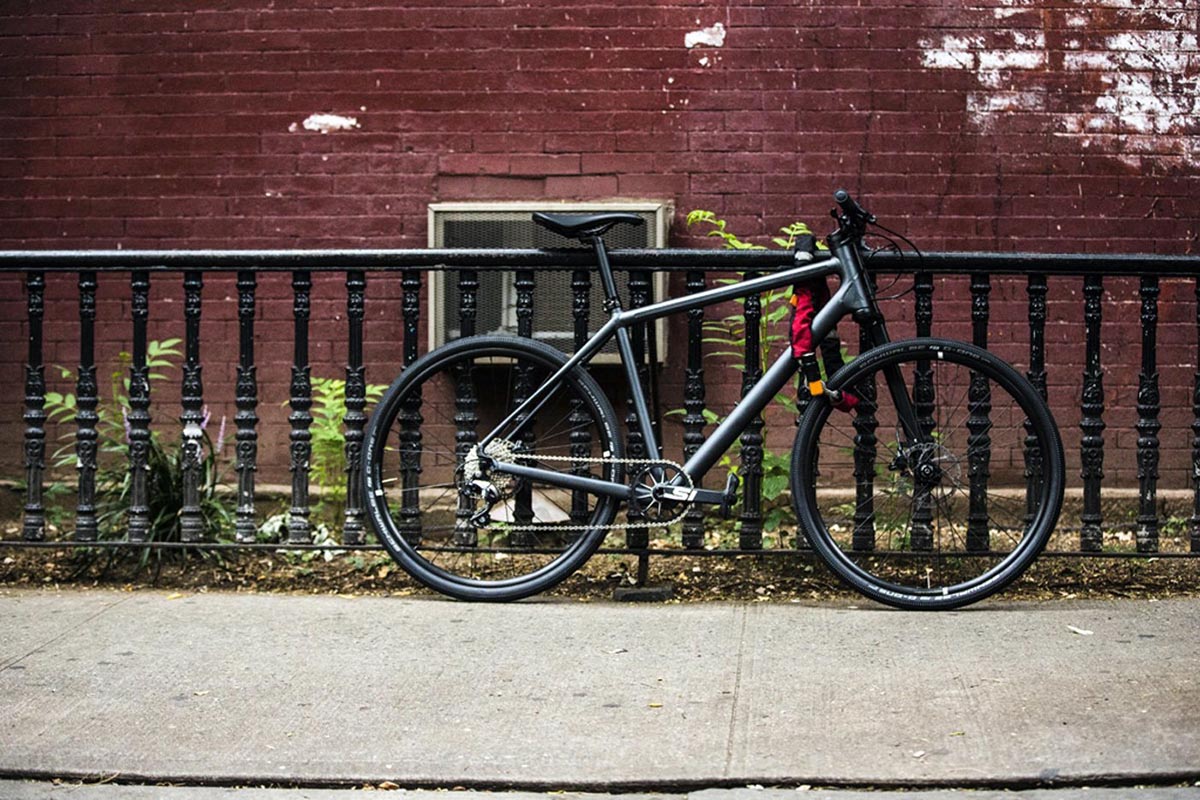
[[1042, 274]]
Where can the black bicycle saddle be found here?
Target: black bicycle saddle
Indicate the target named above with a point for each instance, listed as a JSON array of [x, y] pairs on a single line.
[[584, 226]]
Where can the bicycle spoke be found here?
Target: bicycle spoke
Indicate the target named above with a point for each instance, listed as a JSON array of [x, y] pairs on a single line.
[[931, 524], [482, 530]]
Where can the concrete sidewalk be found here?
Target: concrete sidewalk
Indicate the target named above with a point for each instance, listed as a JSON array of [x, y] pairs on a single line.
[[28, 790], [272, 689]]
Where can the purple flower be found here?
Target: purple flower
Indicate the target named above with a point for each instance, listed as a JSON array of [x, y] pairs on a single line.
[[128, 427], [220, 436]]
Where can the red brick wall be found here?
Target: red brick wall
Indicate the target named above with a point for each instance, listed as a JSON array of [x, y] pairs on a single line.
[[1060, 127]]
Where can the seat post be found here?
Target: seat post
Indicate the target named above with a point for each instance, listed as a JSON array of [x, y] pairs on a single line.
[[612, 300]]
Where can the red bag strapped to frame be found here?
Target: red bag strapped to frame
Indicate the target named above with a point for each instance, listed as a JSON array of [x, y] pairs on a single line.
[[808, 298]]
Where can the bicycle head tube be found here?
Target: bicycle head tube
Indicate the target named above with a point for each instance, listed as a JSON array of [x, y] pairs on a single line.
[[856, 296]]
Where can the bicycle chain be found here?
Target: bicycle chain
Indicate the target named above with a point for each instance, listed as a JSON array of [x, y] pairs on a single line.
[[627, 525]]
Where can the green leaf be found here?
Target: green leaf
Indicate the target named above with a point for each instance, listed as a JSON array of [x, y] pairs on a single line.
[[774, 485], [777, 314], [163, 347]]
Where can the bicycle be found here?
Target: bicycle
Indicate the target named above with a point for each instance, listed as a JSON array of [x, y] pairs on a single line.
[[514, 511]]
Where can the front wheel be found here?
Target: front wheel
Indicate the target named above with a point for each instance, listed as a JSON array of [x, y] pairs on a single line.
[[943, 518], [459, 527]]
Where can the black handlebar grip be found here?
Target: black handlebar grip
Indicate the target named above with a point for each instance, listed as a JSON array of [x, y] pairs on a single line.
[[850, 208]]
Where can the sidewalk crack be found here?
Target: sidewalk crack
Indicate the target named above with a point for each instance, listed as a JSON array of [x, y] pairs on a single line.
[[18, 659], [737, 693]]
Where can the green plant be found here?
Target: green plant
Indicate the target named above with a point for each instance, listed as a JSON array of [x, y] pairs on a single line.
[[164, 467], [328, 462], [729, 334]]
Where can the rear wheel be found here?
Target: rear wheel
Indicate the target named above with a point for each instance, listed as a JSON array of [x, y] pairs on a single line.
[[944, 519], [428, 485]]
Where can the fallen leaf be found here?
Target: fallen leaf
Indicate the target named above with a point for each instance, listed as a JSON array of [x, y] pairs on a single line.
[[175, 595], [1079, 631], [656, 705], [201, 693]]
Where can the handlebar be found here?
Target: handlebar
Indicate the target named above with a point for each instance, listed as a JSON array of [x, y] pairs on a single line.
[[853, 219], [852, 212]]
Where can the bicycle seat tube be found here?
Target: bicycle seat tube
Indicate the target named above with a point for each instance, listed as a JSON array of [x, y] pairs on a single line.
[[612, 304]]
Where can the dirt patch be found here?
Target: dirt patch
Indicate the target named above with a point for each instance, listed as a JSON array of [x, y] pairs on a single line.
[[767, 578]]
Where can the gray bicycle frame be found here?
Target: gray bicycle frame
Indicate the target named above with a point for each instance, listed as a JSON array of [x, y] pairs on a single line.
[[853, 296]]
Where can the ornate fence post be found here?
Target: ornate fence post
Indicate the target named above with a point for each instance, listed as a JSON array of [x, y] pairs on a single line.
[[865, 442], [139, 412], [409, 523], [356, 402], [34, 525], [1148, 425], [635, 447], [693, 404], [1195, 533], [525, 284], [299, 528], [86, 401], [580, 420], [246, 419], [191, 523], [750, 537], [924, 399], [466, 404], [979, 443], [1036, 289], [1092, 423]]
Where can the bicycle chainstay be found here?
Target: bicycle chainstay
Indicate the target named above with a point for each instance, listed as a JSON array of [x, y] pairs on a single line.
[[642, 462]]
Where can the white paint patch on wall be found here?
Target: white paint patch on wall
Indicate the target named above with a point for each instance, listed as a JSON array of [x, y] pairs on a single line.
[[956, 52], [1010, 50], [326, 123], [712, 36], [994, 102], [1147, 77]]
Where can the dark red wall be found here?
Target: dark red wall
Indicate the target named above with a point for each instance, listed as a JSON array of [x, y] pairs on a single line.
[[1059, 127]]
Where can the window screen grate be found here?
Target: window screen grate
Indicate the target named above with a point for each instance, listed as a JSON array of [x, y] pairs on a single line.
[[553, 320]]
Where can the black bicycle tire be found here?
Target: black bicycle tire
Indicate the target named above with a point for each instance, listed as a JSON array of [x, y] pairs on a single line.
[[374, 500], [1011, 568]]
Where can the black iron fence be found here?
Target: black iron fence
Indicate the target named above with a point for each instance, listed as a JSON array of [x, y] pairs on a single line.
[[1040, 275]]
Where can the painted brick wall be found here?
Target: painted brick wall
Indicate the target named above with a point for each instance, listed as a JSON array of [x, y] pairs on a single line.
[[1010, 124]]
